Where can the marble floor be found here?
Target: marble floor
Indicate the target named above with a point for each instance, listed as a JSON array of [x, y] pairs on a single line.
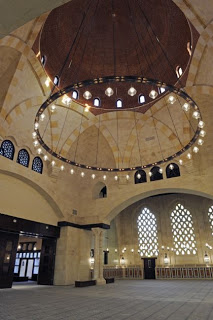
[[124, 299]]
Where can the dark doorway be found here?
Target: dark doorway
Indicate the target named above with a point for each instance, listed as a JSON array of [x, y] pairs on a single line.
[[8, 247], [47, 262], [149, 268]]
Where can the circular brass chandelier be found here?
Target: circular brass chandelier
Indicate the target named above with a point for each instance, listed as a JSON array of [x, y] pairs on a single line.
[[146, 61]]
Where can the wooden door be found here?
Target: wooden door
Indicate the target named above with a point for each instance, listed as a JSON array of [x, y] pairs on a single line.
[[47, 262], [149, 268], [8, 247]]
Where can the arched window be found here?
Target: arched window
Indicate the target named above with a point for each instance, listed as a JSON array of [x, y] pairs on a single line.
[[37, 165], [56, 80], [172, 170], [141, 98], [119, 103], [23, 158], [147, 234], [7, 149], [97, 102], [43, 60], [210, 214], [140, 176], [183, 231], [156, 174], [103, 192], [179, 71], [75, 94]]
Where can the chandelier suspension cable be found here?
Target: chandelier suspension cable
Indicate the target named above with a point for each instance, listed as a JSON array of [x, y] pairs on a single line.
[[76, 148], [99, 126], [156, 131], [113, 38], [65, 118], [178, 98], [136, 122]]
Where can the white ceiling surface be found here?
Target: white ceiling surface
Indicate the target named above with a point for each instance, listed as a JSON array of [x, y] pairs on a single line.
[[15, 13]]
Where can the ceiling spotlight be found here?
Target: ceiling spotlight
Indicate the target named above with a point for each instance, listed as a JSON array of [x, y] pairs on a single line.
[[62, 168], [71, 171], [171, 166], [153, 94], [196, 115], [53, 107], [132, 91], [109, 92], [201, 124], [116, 178], [186, 107], [189, 156], [45, 157], [39, 151], [104, 177], [53, 163], [87, 95], [36, 125], [200, 142], [35, 143], [42, 116], [34, 135], [171, 99], [138, 175], [82, 174], [202, 133], [93, 176], [195, 149]]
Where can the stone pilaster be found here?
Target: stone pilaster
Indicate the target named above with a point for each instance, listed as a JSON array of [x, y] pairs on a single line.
[[98, 256]]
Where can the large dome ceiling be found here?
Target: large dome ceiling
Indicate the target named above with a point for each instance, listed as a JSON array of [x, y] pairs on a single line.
[[86, 39]]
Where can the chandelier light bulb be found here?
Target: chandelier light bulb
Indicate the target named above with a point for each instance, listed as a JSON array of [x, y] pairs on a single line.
[[53, 107], [196, 115], [62, 168], [138, 175], [104, 177], [116, 178], [53, 163], [161, 170], [87, 95], [82, 174], [200, 142], [132, 91], [180, 161], [45, 157], [109, 92], [35, 143], [71, 171], [171, 166], [93, 176], [42, 116], [201, 124], [34, 135], [87, 108], [153, 94], [66, 100], [189, 156], [202, 133], [36, 125], [186, 107], [47, 82], [171, 99], [39, 151], [127, 177], [195, 149], [150, 173]]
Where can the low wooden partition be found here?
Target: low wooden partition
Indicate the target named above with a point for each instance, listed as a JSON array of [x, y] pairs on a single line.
[[133, 272], [184, 272]]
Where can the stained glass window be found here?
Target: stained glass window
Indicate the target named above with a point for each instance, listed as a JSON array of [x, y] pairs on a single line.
[[37, 165], [7, 149], [183, 231], [23, 158], [147, 233]]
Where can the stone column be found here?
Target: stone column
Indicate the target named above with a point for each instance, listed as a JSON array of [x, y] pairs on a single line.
[[98, 256]]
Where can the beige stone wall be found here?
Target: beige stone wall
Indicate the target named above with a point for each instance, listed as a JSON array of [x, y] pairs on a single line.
[[124, 232]]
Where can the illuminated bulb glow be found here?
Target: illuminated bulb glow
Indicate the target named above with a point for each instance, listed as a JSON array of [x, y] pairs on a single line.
[[53, 163], [138, 176], [127, 177], [161, 170], [171, 99], [189, 156], [195, 149], [36, 125], [186, 107], [196, 115], [35, 143], [93, 176], [87, 95], [132, 92], [42, 116], [200, 142], [116, 178], [87, 108], [71, 171], [34, 134], [109, 92], [153, 94], [181, 161], [201, 124], [202, 133], [47, 82], [150, 173], [171, 166], [45, 157], [82, 174], [104, 177], [53, 107], [62, 168], [66, 100], [39, 151]]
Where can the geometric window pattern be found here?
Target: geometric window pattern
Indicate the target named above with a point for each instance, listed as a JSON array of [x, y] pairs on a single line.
[[23, 158], [183, 231], [37, 165], [210, 214], [7, 149], [147, 234]]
